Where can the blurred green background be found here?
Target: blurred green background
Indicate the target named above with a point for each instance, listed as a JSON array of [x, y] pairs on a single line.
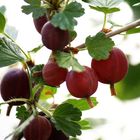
[[129, 88]]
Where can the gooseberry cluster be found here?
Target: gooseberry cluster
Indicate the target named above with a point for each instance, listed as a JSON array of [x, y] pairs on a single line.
[[18, 85], [80, 84]]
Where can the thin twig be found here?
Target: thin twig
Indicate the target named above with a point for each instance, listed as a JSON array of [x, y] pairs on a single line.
[[118, 31], [125, 28]]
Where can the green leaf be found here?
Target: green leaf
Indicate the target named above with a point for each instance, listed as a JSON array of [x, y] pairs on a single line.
[[9, 52], [65, 19], [36, 11], [66, 60], [2, 23], [133, 31], [33, 2], [85, 124], [34, 7], [99, 46], [35, 50], [47, 92], [106, 3], [65, 118], [74, 138], [82, 103], [136, 4], [95, 122], [87, 1], [22, 113], [129, 87], [37, 69], [2, 9], [105, 10], [72, 35]]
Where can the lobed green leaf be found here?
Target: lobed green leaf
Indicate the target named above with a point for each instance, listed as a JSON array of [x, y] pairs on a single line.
[[85, 124], [33, 2], [36, 11], [99, 46], [106, 3], [82, 103], [65, 19], [22, 113], [105, 10], [34, 7], [66, 60], [65, 118]]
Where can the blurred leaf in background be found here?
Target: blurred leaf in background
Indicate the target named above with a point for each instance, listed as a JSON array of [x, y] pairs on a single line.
[[136, 9], [129, 88]]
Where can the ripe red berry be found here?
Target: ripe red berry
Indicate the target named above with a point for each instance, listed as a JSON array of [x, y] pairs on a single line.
[[82, 84], [54, 75], [54, 38], [113, 69], [15, 84], [38, 129], [39, 22]]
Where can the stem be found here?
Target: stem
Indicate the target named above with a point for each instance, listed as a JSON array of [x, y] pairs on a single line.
[[29, 77], [15, 100], [19, 136], [19, 129], [112, 89], [9, 110], [124, 28], [37, 93], [105, 19], [118, 31], [17, 45], [34, 110], [44, 110], [89, 102]]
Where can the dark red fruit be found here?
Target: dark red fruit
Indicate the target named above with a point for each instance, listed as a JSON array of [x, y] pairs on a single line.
[[54, 75], [54, 38], [39, 22], [113, 69], [38, 129], [57, 134], [15, 84], [82, 84]]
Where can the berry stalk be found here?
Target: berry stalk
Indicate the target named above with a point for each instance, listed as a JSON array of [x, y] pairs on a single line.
[[112, 89], [90, 102]]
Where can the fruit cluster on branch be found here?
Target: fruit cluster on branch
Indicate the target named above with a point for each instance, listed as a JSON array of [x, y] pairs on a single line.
[[26, 87]]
